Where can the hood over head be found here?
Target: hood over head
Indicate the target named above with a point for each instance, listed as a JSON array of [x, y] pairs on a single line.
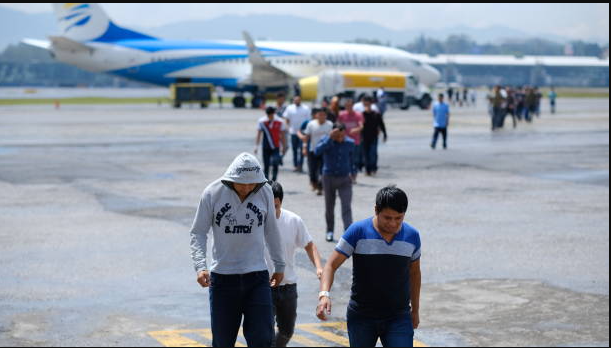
[[245, 169]]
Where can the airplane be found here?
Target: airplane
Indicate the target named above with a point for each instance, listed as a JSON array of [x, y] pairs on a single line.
[[91, 41]]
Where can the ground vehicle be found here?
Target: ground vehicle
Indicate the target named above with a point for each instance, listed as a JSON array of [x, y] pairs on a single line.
[[402, 89], [191, 93]]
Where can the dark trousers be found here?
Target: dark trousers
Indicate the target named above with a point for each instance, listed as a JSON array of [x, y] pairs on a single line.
[[334, 185], [497, 115], [444, 135], [271, 158], [396, 331], [358, 158], [370, 154], [285, 310], [315, 168], [296, 144], [241, 295]]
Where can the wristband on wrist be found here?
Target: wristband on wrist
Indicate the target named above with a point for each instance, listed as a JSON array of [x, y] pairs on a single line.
[[324, 293]]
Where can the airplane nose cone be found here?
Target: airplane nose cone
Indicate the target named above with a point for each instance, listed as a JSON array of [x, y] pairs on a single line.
[[432, 75]]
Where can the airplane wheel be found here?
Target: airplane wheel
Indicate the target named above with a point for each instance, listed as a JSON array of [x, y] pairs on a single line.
[[239, 102]]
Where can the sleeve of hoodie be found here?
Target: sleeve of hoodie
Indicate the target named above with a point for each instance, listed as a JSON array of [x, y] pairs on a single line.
[[199, 232], [272, 234]]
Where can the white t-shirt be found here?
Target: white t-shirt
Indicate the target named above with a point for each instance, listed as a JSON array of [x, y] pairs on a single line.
[[359, 107], [293, 235], [296, 115], [317, 131]]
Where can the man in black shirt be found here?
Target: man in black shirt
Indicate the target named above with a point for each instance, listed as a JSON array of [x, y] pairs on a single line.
[[374, 124]]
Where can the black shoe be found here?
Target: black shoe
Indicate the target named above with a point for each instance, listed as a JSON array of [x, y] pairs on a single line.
[[329, 237]]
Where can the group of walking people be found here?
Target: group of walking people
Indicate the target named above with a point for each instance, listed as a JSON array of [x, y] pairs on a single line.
[[251, 277]]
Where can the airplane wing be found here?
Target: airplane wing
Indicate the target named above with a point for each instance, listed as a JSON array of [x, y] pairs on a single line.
[[263, 73], [37, 43]]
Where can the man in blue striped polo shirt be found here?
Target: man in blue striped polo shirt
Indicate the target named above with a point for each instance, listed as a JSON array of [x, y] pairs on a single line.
[[385, 298]]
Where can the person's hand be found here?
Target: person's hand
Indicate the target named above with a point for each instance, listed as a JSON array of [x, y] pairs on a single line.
[[203, 278], [333, 134], [324, 308], [304, 151], [354, 131], [256, 150], [276, 280], [415, 319], [385, 139], [319, 273]]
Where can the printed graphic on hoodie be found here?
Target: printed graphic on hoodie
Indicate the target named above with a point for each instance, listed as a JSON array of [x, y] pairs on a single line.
[[254, 215]]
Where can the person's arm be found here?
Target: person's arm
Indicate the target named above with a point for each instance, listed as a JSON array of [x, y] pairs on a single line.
[[258, 141], [314, 256], [272, 239], [328, 275], [283, 141], [414, 291], [199, 238], [324, 144]]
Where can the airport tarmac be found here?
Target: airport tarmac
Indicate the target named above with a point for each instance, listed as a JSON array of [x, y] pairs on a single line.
[[96, 204]]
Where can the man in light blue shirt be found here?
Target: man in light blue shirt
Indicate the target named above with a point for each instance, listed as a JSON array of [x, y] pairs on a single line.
[[441, 116]]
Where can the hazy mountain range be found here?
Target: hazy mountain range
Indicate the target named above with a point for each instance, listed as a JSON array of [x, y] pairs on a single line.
[[15, 25]]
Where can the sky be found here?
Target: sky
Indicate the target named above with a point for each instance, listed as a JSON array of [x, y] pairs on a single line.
[[576, 21]]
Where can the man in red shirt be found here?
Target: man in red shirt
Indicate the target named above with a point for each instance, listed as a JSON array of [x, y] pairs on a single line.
[[354, 122], [271, 128]]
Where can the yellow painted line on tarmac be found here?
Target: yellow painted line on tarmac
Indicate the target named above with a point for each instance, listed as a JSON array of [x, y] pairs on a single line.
[[177, 338], [328, 335]]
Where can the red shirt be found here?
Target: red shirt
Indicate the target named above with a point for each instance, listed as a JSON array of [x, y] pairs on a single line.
[[271, 131], [351, 121]]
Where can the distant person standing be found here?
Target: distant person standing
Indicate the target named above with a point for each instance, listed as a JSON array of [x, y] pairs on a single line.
[[386, 277], [373, 125], [280, 108], [450, 92], [382, 100], [360, 106], [538, 97], [530, 104], [355, 123], [473, 94], [315, 131], [294, 235], [333, 110], [441, 120], [295, 114], [219, 95], [272, 129], [497, 102], [337, 151], [552, 100]]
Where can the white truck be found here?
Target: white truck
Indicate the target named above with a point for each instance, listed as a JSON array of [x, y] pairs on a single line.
[[402, 89]]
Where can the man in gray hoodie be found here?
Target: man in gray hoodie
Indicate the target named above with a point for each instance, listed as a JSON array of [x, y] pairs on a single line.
[[239, 208]]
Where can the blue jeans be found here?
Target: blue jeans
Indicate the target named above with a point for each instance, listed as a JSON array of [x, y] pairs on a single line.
[[296, 144], [370, 153], [236, 295], [271, 158], [396, 331]]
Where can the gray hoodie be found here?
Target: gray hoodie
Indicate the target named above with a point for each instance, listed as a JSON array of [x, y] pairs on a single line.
[[240, 230]]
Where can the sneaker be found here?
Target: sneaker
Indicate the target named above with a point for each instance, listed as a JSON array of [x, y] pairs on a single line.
[[329, 236]]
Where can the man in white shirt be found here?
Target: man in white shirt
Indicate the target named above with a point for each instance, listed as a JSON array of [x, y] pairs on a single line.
[[295, 114], [293, 235], [316, 130], [360, 106]]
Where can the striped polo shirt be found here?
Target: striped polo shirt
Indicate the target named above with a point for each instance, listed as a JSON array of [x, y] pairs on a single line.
[[380, 270]]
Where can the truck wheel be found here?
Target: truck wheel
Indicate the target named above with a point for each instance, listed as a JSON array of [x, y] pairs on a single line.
[[425, 102], [256, 102], [404, 107], [176, 105], [239, 102], [203, 105]]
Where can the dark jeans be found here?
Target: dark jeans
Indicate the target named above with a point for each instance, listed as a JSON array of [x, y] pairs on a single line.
[[497, 116], [370, 154], [396, 331], [285, 310], [334, 185], [237, 295], [271, 158], [444, 135], [358, 158], [315, 168], [296, 144]]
